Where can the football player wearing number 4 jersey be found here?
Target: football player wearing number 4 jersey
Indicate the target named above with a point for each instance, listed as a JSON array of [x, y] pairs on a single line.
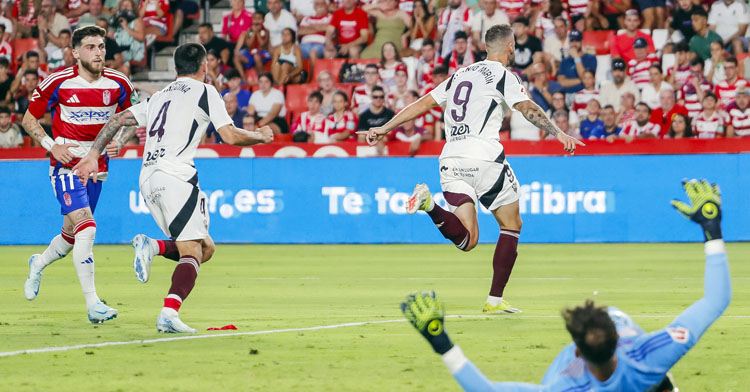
[[168, 180], [473, 167], [82, 98]]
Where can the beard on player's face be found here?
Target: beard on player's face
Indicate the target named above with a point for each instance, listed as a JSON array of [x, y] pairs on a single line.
[[93, 67]]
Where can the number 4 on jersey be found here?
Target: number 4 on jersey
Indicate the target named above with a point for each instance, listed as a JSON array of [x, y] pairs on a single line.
[[161, 118]]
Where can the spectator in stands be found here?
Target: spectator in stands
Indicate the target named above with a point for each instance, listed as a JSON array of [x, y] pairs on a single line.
[[252, 49], [691, 94], [287, 60], [25, 13], [389, 60], [709, 123], [651, 91], [557, 44], [422, 28], [454, 18], [542, 87], [51, 23], [234, 83], [268, 105], [361, 96], [607, 14], [6, 44], [95, 11], [626, 114], [729, 19], [573, 66], [215, 75], [528, 47], [396, 95], [53, 54], [276, 20], [377, 114], [612, 90], [654, 16], [7, 24], [210, 41], [558, 103], [312, 122], [680, 127], [641, 127], [6, 81], [609, 118], [312, 31], [726, 89], [543, 19], [391, 25], [113, 57], [249, 123], [461, 56], [592, 127], [302, 8], [678, 74], [129, 33], [179, 9], [10, 134], [563, 122], [325, 84], [22, 95], [621, 45], [714, 67], [235, 113], [638, 67], [236, 22], [589, 92], [739, 114], [30, 62], [426, 63], [666, 110], [700, 43], [349, 28], [341, 124], [154, 16], [483, 20], [682, 20], [426, 121], [408, 132]]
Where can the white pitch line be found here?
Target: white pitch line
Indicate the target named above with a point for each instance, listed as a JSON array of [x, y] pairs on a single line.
[[271, 331]]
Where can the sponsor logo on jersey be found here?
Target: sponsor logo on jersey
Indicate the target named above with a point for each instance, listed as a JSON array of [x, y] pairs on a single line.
[[73, 99], [679, 334], [106, 97], [89, 115], [68, 200]]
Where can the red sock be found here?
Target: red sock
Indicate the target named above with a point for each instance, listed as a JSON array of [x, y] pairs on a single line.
[[450, 226], [183, 278], [168, 249], [503, 261], [69, 238]]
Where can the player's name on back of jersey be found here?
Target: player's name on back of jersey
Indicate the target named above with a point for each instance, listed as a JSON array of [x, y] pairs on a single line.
[[486, 72]]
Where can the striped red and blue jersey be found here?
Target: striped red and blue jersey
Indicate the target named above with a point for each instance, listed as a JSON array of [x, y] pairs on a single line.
[[80, 108]]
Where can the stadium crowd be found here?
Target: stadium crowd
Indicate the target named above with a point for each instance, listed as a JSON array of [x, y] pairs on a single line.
[[320, 70]]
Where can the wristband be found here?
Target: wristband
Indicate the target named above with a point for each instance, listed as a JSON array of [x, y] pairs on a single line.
[[48, 143], [578, 60]]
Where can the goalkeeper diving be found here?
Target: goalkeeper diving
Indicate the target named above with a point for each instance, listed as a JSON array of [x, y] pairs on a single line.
[[609, 351]]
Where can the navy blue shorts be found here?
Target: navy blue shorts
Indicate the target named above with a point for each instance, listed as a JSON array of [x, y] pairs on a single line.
[[72, 195], [643, 4]]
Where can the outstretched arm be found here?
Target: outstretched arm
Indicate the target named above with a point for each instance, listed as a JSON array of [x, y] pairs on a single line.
[[536, 116], [241, 137], [414, 110], [90, 163]]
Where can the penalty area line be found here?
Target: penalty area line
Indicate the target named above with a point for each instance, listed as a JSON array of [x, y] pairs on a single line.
[[273, 331]]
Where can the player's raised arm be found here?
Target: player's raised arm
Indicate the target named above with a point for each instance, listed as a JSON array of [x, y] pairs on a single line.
[[90, 163], [242, 137], [373, 135], [536, 116]]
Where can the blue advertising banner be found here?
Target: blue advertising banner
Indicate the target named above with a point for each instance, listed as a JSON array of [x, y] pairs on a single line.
[[361, 200]]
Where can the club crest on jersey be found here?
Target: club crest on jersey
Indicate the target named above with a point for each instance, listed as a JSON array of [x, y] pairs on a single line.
[[68, 200], [106, 97], [679, 334]]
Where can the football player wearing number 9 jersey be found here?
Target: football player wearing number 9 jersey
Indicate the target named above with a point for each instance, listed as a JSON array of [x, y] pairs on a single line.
[[169, 180], [473, 168]]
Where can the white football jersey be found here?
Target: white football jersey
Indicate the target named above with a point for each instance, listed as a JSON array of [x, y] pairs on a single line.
[[477, 98], [176, 119]]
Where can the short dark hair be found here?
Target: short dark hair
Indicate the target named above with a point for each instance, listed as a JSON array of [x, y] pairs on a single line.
[[266, 75], [608, 107], [498, 33], [440, 70], [522, 20], [31, 72], [4, 62], [656, 66], [89, 31], [293, 33], [682, 46], [206, 25], [730, 59], [696, 61], [710, 94], [593, 332], [343, 94], [644, 104], [316, 95], [32, 53], [428, 41], [103, 19], [232, 73], [65, 31], [372, 65], [699, 11], [413, 93], [4, 110], [377, 88], [188, 58]]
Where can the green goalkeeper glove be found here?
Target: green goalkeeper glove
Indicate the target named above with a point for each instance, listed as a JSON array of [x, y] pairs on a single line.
[[426, 313], [705, 209]]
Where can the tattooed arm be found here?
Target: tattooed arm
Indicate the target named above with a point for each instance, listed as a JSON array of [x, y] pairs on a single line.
[[90, 163], [58, 151], [536, 116], [120, 139]]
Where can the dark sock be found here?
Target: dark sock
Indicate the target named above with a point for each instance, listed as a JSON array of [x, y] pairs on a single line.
[[183, 278], [450, 226], [503, 261], [168, 249]]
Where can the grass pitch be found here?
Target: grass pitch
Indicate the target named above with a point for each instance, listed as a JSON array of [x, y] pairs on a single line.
[[268, 288]]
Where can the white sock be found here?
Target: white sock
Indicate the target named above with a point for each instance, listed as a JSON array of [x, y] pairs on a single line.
[[154, 245], [494, 301], [57, 249], [83, 259]]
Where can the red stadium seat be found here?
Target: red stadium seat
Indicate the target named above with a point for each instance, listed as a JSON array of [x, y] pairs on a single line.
[[333, 66], [282, 138], [196, 15], [599, 40], [21, 46], [170, 25], [143, 63], [741, 58], [296, 99], [348, 88]]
